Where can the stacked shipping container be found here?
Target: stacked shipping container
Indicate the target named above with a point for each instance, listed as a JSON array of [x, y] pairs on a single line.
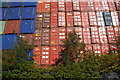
[[95, 22]]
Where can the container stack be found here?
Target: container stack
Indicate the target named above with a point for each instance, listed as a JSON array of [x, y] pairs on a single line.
[[47, 22]]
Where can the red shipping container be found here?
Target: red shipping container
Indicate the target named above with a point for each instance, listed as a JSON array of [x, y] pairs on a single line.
[[46, 6], [54, 19], [69, 16], [39, 21], [45, 58], [68, 5], [115, 20], [101, 5], [86, 35], [102, 35], [54, 6], [105, 48], [78, 31], [61, 19], [54, 56], [117, 5], [85, 22], [87, 5], [37, 55], [61, 5], [12, 26], [46, 20], [76, 5], [95, 35], [70, 29], [54, 38], [92, 19], [45, 36], [62, 35], [113, 48], [38, 37], [111, 5], [117, 31], [40, 6], [77, 19], [111, 35], [97, 49], [28, 37], [88, 48]]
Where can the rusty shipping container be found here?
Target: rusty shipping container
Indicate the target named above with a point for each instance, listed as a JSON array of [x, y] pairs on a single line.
[[28, 37], [12, 26]]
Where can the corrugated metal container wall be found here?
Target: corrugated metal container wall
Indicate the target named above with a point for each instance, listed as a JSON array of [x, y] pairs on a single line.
[[13, 3], [39, 21], [39, 6], [102, 34], [92, 19], [62, 35], [111, 35], [54, 56], [46, 20], [86, 35], [97, 49], [77, 19], [76, 6], [45, 55], [79, 31], [100, 19], [12, 26], [61, 5], [54, 38], [54, 18], [28, 37], [32, 3], [27, 26], [117, 5], [2, 26], [0, 42], [91, 5], [105, 48], [95, 35], [54, 6], [28, 13], [85, 22], [16, 12], [45, 36], [9, 41], [107, 18], [69, 16], [6, 4], [113, 48], [38, 36], [117, 31], [115, 18], [111, 5], [68, 5], [4, 13], [37, 55], [61, 19]]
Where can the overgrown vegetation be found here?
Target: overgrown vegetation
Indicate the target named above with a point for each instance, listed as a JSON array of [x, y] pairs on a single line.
[[75, 64]]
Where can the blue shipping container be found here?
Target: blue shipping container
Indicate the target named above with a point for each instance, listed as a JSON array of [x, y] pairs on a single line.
[[29, 13], [14, 13], [3, 13], [29, 2], [6, 4], [0, 42], [27, 26], [29, 55], [16, 3], [9, 41]]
